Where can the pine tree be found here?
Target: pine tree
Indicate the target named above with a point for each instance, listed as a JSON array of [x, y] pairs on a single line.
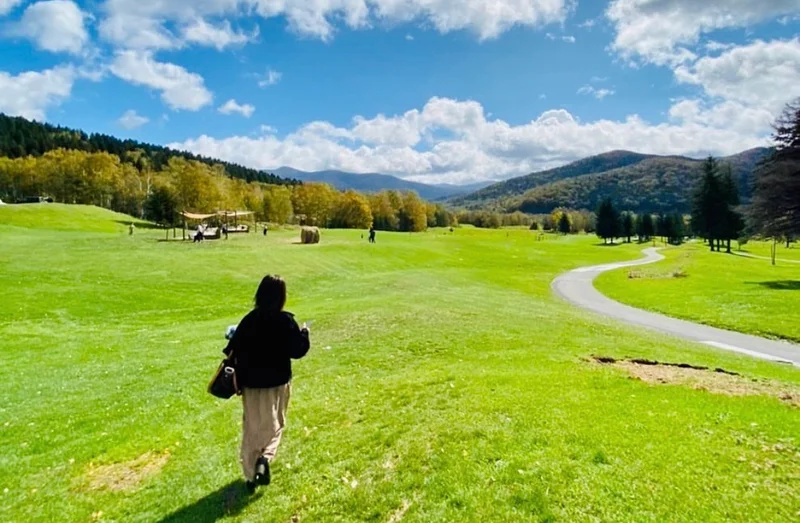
[[563, 223], [607, 221], [627, 226], [712, 215], [775, 209], [648, 227], [732, 222]]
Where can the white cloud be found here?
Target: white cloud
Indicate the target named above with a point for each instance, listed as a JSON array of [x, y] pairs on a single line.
[[220, 36], [7, 5], [409, 37], [149, 24], [655, 30], [597, 93], [231, 107], [567, 38], [454, 141], [267, 129], [762, 75], [179, 88], [54, 25], [542, 96], [713, 46], [588, 24], [31, 93], [131, 120], [270, 78]]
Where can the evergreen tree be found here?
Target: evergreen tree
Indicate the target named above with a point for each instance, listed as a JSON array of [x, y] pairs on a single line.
[[732, 223], [563, 223], [161, 206], [607, 221], [677, 229], [648, 227], [775, 209], [709, 206], [627, 226]]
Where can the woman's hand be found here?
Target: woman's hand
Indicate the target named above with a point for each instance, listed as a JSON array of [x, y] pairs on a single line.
[[306, 327]]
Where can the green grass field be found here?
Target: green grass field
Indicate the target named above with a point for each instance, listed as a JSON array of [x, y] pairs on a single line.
[[723, 290], [445, 383]]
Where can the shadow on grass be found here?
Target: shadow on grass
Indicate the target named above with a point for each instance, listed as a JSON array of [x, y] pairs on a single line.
[[778, 285], [227, 501]]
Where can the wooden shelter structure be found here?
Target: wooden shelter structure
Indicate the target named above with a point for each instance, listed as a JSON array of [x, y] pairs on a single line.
[[231, 220], [199, 219]]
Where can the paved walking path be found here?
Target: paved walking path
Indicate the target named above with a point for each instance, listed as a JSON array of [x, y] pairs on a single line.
[[748, 255], [577, 287]]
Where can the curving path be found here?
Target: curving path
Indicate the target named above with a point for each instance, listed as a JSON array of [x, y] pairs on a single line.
[[577, 288]]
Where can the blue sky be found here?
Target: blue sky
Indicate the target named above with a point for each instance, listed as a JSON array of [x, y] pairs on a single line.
[[436, 90]]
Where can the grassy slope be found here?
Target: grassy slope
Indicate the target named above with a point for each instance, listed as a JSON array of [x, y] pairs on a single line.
[[732, 292], [444, 377]]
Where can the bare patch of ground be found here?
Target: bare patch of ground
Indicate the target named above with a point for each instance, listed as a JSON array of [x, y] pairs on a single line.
[[715, 381], [128, 475]]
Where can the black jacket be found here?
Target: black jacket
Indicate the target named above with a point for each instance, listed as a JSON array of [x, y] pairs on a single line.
[[263, 347]]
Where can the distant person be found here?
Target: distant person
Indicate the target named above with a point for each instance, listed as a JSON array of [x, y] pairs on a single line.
[[265, 230], [198, 236], [132, 228], [225, 231], [263, 345], [371, 234]]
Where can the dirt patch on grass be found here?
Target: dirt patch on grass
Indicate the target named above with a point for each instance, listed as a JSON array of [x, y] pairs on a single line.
[[715, 381], [125, 476]]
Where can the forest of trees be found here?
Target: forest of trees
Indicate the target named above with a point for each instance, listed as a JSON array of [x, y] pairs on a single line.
[[20, 138], [102, 179]]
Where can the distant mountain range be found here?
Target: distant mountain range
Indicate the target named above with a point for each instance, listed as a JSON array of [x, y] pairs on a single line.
[[636, 182], [374, 182]]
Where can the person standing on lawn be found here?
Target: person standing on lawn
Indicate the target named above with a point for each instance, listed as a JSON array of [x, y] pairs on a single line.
[[263, 347]]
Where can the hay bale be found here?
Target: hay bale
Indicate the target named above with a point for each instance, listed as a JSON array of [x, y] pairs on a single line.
[[309, 235]]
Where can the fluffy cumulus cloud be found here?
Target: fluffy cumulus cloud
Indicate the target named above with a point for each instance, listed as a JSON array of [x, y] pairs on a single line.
[[31, 93], [220, 36], [231, 106], [131, 120], [658, 31], [163, 24], [180, 89], [54, 25], [763, 75], [7, 5], [454, 141]]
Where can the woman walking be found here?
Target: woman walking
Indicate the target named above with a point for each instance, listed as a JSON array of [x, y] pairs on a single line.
[[263, 345]]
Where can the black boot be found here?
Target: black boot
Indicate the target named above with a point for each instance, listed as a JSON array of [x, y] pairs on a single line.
[[250, 486], [262, 471]]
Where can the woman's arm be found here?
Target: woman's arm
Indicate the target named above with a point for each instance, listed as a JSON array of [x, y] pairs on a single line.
[[298, 340]]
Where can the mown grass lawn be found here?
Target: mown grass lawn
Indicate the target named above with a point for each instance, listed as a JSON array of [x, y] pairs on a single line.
[[724, 290], [445, 383]]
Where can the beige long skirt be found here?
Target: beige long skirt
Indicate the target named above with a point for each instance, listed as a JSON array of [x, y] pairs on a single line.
[[262, 424]]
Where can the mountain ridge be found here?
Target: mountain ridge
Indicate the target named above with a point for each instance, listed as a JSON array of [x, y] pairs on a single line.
[[638, 182], [374, 182]]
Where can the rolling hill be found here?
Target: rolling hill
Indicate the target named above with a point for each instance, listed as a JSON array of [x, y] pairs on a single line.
[[637, 182], [21, 137], [374, 182]]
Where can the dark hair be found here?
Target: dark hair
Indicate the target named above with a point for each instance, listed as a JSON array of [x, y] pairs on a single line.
[[271, 294]]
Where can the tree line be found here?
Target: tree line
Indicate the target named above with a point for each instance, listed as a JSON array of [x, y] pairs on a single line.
[[20, 138], [104, 180]]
